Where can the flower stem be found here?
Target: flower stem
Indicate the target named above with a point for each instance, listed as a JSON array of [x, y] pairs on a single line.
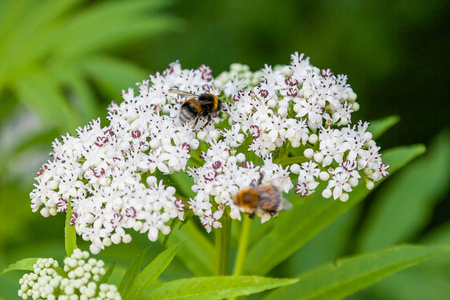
[[243, 246], [223, 247]]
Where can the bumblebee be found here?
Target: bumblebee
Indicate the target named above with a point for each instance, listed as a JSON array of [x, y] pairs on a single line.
[[261, 198], [198, 106]]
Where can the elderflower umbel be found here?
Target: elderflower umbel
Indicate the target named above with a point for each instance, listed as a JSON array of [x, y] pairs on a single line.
[[80, 280], [288, 122]]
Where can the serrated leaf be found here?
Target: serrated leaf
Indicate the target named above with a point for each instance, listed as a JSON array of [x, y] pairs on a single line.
[[405, 205], [25, 264], [128, 279], [380, 126], [151, 272], [217, 287], [347, 276], [297, 226], [70, 236]]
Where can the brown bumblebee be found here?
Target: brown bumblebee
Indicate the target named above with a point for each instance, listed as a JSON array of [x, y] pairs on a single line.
[[260, 198], [198, 106]]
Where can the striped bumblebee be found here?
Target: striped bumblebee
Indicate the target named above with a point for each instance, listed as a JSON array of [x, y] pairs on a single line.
[[198, 106], [261, 198]]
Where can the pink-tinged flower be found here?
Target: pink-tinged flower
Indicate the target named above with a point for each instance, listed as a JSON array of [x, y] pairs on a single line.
[[255, 132], [383, 168]]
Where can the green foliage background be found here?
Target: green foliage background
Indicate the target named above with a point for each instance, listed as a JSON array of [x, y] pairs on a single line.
[[62, 62]]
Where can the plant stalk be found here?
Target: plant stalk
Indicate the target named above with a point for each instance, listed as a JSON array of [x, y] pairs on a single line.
[[222, 237], [244, 240]]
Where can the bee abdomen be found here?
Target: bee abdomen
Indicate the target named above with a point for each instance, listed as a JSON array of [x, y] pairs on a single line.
[[269, 198], [187, 113]]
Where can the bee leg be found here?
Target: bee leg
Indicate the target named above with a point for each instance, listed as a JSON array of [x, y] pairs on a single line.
[[261, 176], [256, 183], [195, 123], [252, 215], [209, 121]]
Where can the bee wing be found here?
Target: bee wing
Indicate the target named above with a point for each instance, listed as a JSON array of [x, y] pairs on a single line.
[[182, 93], [281, 182], [199, 102], [285, 205]]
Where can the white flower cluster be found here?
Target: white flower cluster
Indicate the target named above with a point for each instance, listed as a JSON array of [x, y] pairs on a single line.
[[281, 122], [238, 76], [301, 107], [80, 280], [221, 176], [109, 173]]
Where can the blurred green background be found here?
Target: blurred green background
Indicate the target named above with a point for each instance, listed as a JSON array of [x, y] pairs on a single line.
[[62, 62]]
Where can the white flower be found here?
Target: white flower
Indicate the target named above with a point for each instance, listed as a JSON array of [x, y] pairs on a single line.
[[297, 132], [210, 220], [340, 183], [233, 137], [309, 171], [311, 110], [304, 187]]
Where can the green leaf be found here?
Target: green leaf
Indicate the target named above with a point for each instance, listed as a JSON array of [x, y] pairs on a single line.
[[405, 205], [380, 126], [296, 227], [24, 32], [414, 283], [328, 245], [128, 279], [106, 276], [25, 264], [113, 74], [41, 93], [199, 256], [217, 287], [78, 90], [439, 236], [38, 37], [425, 281], [70, 236], [183, 183], [145, 279], [347, 276], [111, 24]]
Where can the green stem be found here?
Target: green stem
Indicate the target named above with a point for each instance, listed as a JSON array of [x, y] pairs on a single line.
[[223, 246], [244, 240], [291, 160]]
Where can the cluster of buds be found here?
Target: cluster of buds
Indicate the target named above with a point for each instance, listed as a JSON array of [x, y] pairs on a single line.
[[79, 281]]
